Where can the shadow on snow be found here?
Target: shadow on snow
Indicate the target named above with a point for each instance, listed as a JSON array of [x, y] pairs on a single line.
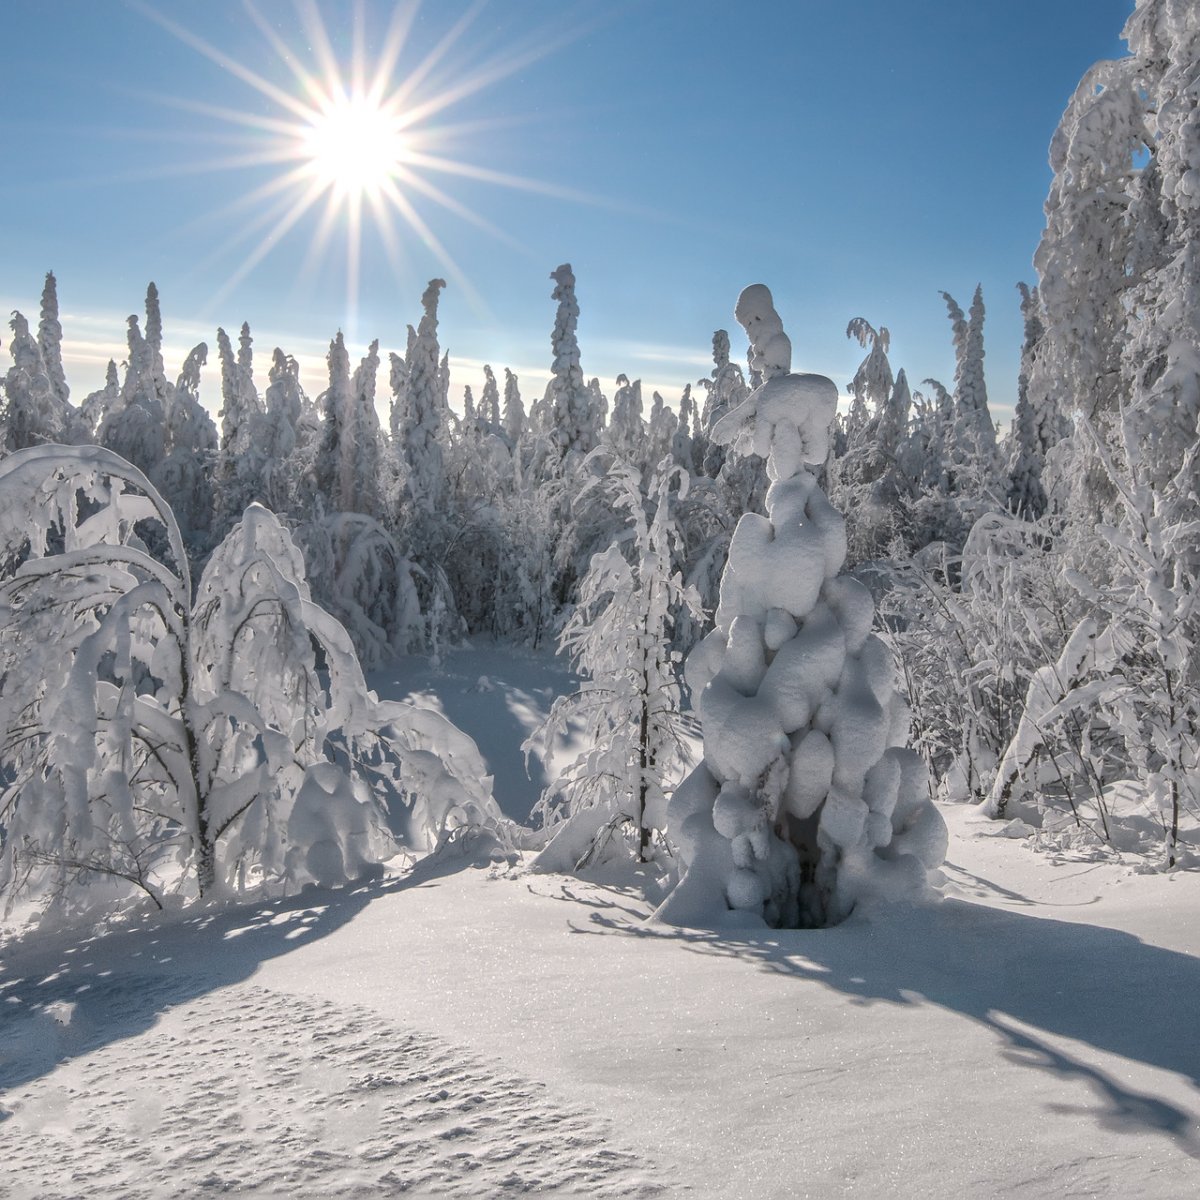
[[1016, 975], [64, 996]]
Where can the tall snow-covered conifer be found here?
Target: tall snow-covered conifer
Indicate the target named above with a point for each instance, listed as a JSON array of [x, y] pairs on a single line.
[[806, 804], [573, 427], [422, 430], [50, 341]]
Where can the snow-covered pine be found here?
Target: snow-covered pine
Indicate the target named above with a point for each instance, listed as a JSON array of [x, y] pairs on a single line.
[[1161, 353], [661, 431], [863, 476], [359, 572], [975, 431], [682, 443], [421, 417], [872, 382], [285, 404], [335, 458], [598, 407], [806, 804], [31, 413], [626, 433], [240, 460], [154, 335], [1083, 258], [573, 425], [489, 401], [102, 400], [50, 341], [467, 424], [361, 463], [514, 410], [627, 709], [724, 389]]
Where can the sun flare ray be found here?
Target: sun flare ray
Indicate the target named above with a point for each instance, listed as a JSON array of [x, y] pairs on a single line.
[[245, 74], [354, 142]]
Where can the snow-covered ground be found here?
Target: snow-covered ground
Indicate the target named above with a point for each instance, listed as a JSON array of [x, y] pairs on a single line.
[[470, 1030]]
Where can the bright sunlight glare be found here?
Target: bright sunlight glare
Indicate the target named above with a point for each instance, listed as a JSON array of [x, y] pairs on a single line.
[[358, 139], [355, 146]]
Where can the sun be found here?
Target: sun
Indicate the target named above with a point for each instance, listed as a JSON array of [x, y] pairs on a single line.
[[357, 140], [355, 147]]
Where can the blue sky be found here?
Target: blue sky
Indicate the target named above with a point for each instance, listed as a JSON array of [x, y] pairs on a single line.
[[856, 157]]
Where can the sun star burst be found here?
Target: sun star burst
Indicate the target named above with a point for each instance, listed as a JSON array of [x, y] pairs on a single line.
[[354, 146], [357, 137]]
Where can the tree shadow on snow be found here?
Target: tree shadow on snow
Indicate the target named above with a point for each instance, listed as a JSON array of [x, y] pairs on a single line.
[[1016, 975], [65, 995]]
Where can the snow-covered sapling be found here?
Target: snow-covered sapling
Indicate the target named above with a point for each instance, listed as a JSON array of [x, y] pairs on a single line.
[[627, 709]]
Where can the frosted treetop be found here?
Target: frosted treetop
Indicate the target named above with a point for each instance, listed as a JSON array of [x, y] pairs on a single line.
[[786, 418]]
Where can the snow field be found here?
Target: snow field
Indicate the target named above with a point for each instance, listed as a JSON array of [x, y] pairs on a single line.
[[1029, 1036], [246, 1090]]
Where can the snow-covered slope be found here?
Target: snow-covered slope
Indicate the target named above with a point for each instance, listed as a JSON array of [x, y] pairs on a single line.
[[470, 1031]]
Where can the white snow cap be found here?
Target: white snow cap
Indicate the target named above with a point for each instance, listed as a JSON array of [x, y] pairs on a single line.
[[786, 419]]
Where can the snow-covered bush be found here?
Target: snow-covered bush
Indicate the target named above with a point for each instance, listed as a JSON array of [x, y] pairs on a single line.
[[361, 576], [970, 630], [166, 746], [1121, 706], [806, 802]]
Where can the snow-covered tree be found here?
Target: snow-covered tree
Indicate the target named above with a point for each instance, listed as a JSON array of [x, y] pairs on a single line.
[[1161, 352], [1030, 438], [102, 400], [626, 430], [1084, 254], [31, 411], [489, 401], [683, 443], [361, 465], [240, 461], [975, 432], [514, 410], [161, 745], [421, 424], [806, 803], [627, 709], [286, 406], [136, 428], [873, 381], [864, 476], [573, 424], [50, 342], [185, 476], [337, 429], [661, 431], [724, 389]]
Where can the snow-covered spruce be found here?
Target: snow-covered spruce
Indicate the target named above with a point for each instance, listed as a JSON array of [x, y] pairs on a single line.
[[805, 804]]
